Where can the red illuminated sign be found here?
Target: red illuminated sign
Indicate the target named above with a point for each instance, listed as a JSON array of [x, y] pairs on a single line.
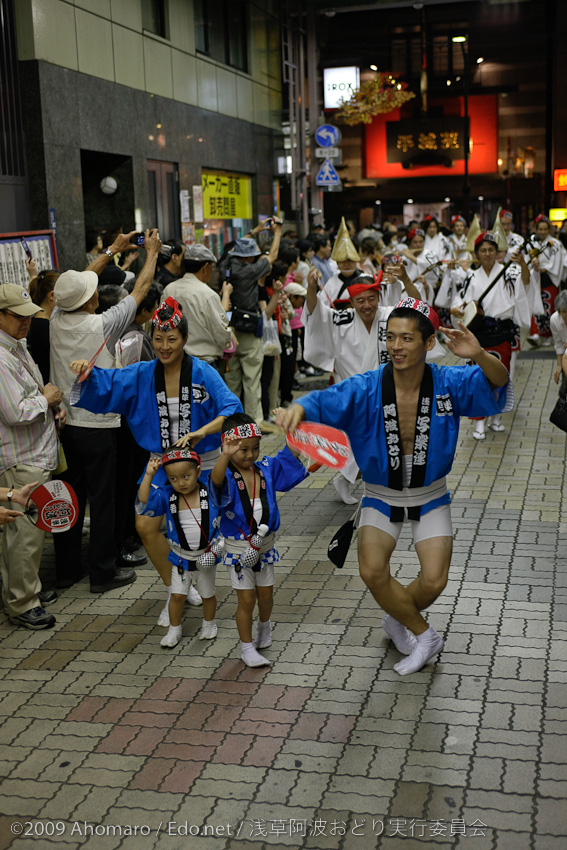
[[483, 124], [560, 180]]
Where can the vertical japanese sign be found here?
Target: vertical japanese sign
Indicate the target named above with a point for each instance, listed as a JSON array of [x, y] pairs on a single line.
[[226, 195]]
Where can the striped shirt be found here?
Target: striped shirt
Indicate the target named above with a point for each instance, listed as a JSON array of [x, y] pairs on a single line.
[[27, 427]]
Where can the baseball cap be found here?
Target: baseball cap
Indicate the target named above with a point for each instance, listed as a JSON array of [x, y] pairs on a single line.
[[17, 299], [199, 253]]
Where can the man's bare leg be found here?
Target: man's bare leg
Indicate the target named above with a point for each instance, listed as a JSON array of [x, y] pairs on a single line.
[[435, 558], [375, 548]]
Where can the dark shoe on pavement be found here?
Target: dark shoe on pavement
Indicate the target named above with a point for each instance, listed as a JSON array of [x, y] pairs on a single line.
[[47, 597], [119, 579], [35, 618], [130, 559]]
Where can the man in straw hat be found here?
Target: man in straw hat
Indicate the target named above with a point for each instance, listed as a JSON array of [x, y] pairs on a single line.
[[89, 439], [403, 423]]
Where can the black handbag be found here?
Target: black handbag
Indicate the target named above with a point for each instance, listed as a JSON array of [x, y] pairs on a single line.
[[246, 321], [495, 331], [559, 414]]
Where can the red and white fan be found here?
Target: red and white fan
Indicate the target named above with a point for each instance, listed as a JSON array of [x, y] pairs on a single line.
[[53, 507], [322, 443]]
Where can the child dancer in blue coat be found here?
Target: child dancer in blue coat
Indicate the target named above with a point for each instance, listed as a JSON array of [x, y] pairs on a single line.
[[191, 526], [245, 488]]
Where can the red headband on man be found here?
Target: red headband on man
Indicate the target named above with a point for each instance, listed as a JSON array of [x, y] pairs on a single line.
[[509, 216], [421, 307], [457, 218], [417, 231], [172, 321], [177, 455], [487, 236], [243, 432], [542, 217], [365, 283]]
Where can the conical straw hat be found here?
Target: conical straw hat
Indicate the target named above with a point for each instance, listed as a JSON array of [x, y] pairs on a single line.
[[474, 230], [499, 232], [343, 249]]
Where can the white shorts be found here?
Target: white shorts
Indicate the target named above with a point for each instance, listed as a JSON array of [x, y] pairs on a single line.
[[435, 523], [203, 579], [249, 579]]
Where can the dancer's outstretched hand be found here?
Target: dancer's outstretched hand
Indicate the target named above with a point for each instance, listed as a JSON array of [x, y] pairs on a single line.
[[462, 342]]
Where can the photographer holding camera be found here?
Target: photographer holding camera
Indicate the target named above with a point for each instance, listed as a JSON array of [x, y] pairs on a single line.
[[89, 440], [247, 266]]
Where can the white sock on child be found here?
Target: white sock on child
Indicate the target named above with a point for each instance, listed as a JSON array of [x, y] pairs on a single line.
[[208, 630], [172, 637], [163, 619], [263, 636], [427, 645], [251, 656], [402, 638]]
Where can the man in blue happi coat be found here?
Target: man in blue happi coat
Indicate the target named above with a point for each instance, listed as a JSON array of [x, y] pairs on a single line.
[[403, 423]]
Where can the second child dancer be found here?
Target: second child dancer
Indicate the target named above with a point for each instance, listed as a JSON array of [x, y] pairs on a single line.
[[245, 488]]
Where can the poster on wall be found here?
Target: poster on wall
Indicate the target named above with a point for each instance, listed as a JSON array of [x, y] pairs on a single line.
[[13, 256], [226, 195], [198, 203]]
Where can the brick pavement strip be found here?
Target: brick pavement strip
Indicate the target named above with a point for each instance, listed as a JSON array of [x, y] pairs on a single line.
[[100, 724]]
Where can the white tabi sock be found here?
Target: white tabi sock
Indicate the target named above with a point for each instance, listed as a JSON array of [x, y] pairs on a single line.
[[172, 637], [163, 619], [263, 636], [252, 657], [402, 638], [208, 630], [427, 645]]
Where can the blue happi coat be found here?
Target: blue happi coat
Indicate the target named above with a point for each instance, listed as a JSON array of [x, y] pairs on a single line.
[[132, 393], [158, 505], [355, 406], [281, 473]]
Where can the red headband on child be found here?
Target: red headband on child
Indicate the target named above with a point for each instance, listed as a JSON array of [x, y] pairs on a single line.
[[542, 217], [457, 218], [417, 231], [172, 321], [175, 455], [421, 307], [507, 215], [243, 432]]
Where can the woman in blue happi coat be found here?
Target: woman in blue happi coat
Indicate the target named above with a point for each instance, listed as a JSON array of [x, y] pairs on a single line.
[[173, 400]]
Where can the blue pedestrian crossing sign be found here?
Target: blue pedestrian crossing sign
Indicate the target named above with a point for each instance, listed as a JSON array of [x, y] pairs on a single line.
[[327, 136], [327, 175]]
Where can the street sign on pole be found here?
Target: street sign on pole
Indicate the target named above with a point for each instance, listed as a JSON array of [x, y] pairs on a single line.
[[327, 176], [327, 153], [327, 136]]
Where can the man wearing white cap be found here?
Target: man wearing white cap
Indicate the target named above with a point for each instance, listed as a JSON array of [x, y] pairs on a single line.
[[208, 329], [28, 455], [89, 439]]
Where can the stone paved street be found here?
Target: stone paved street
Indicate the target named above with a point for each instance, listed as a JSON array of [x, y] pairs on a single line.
[[104, 731]]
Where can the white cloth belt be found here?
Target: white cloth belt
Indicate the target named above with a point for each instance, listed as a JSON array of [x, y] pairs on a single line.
[[191, 555], [232, 546], [409, 497]]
